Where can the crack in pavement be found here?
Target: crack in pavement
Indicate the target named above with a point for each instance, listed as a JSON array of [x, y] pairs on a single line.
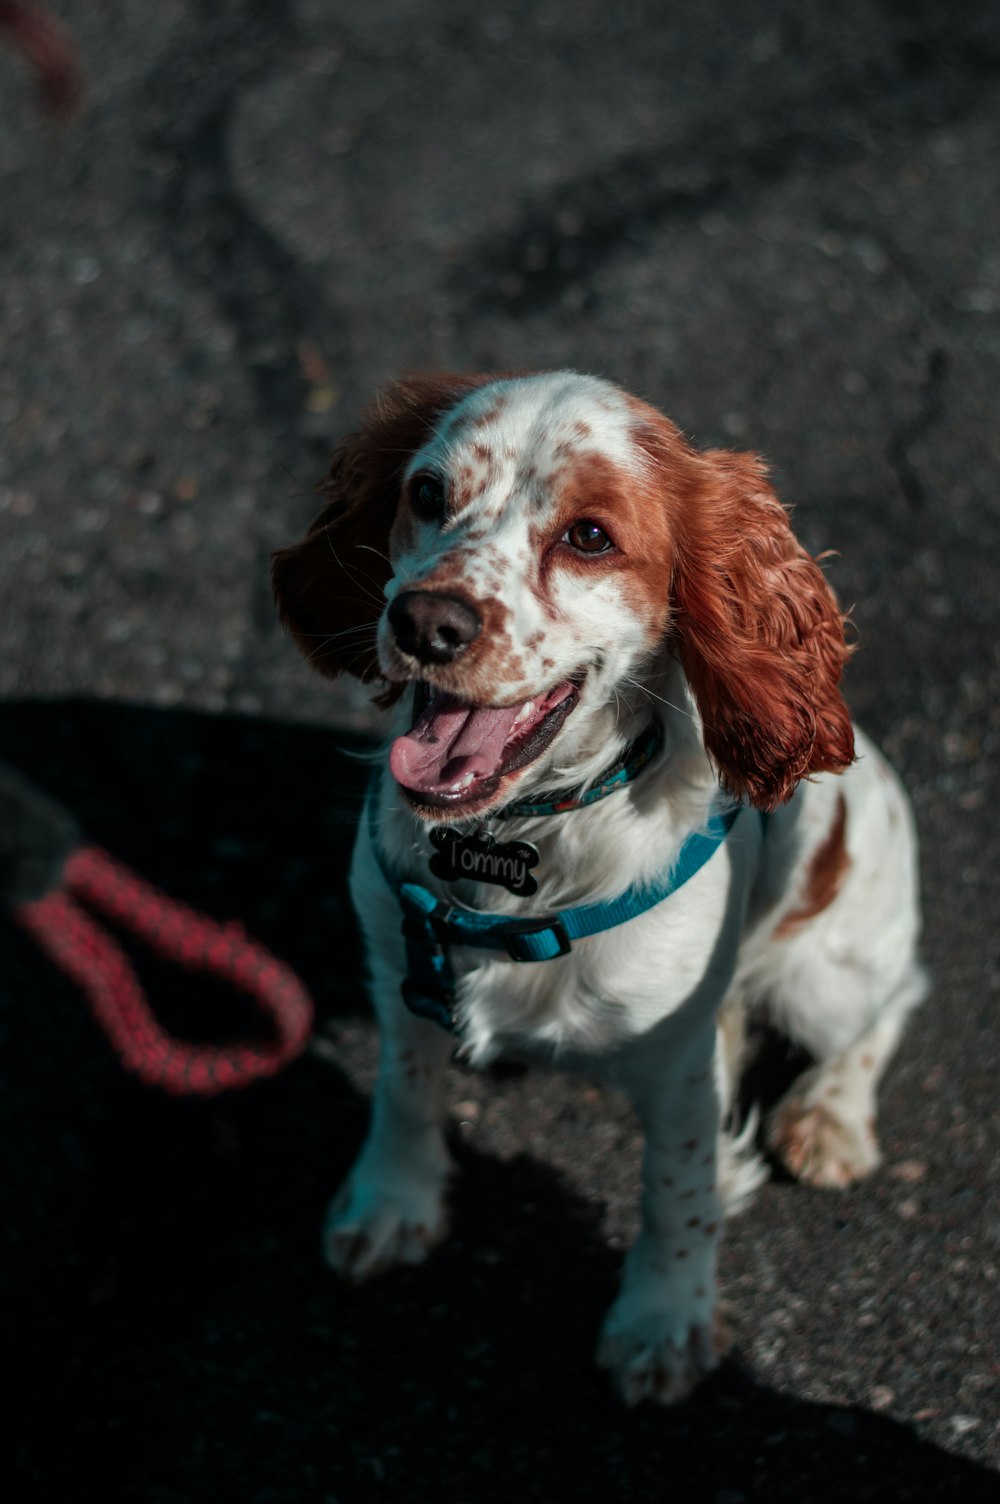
[[268, 299], [579, 225], [929, 412]]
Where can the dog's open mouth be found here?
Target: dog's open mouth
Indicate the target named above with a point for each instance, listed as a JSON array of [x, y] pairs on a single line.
[[455, 755]]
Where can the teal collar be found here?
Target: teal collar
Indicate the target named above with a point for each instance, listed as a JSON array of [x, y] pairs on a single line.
[[631, 763], [432, 925]]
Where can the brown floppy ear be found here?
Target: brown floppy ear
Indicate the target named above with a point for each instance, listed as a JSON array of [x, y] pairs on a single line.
[[760, 634], [330, 587]]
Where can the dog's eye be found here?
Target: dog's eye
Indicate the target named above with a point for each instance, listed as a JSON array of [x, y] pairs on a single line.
[[587, 538], [427, 497]]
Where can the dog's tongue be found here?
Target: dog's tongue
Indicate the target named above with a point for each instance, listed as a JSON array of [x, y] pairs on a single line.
[[449, 740]]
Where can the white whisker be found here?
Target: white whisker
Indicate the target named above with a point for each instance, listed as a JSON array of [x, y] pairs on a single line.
[[364, 626], [352, 576], [645, 690], [323, 649], [377, 551]]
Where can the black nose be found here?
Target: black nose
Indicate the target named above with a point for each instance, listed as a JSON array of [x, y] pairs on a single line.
[[432, 628]]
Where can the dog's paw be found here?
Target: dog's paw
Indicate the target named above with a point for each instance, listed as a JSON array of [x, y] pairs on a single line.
[[375, 1225], [659, 1355], [819, 1147]]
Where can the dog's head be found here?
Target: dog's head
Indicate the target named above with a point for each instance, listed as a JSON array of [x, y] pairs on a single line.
[[522, 546]]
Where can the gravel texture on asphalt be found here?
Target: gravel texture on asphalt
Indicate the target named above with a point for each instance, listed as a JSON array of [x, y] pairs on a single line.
[[781, 225]]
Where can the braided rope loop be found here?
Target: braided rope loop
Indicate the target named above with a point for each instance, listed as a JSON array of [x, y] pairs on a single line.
[[95, 961]]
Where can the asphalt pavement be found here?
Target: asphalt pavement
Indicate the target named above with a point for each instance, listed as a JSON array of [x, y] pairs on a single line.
[[781, 224]]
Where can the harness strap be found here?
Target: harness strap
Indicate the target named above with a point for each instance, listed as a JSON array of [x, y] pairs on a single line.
[[431, 925]]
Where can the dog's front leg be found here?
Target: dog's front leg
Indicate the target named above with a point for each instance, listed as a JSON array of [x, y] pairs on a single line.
[[660, 1335], [392, 1207]]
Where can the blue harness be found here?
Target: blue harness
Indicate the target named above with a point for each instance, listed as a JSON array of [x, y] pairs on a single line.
[[431, 925]]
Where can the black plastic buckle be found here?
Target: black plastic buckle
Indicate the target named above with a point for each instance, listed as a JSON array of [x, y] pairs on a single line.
[[554, 925], [430, 930]]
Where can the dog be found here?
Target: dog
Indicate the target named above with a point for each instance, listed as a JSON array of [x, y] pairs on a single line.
[[623, 804]]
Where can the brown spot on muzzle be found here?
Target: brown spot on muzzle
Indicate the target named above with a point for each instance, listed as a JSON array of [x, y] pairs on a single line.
[[489, 662]]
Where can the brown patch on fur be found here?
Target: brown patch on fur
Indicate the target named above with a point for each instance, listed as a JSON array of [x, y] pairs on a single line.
[[827, 870], [463, 488], [759, 632], [329, 587], [472, 482], [589, 485], [469, 487], [490, 415]]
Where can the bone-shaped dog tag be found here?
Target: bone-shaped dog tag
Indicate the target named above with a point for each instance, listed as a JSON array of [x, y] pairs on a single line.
[[484, 859]]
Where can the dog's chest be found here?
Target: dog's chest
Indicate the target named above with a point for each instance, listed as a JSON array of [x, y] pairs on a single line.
[[612, 985]]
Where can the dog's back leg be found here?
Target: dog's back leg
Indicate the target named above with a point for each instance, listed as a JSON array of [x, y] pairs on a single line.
[[824, 1128], [844, 981]]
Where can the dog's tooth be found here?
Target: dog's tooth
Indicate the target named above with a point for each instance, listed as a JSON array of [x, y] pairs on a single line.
[[463, 783], [528, 708]]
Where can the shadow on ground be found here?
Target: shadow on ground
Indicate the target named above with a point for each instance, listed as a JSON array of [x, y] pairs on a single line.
[[176, 1338]]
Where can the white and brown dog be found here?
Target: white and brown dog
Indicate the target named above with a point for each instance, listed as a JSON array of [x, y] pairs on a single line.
[[623, 658]]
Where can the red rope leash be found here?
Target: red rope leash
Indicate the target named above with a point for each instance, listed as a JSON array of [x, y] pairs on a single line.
[[48, 47], [91, 958]]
